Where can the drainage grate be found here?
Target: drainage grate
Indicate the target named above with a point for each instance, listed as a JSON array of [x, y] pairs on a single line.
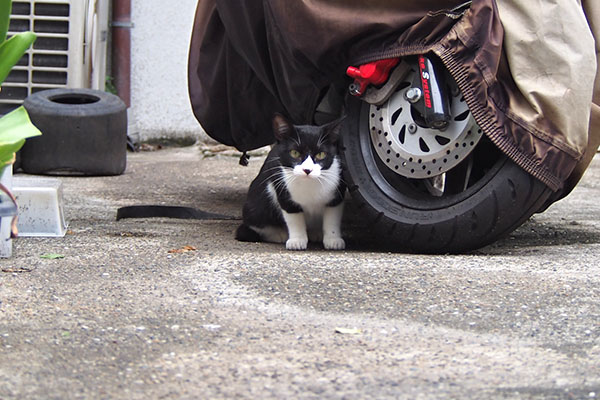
[[56, 54]]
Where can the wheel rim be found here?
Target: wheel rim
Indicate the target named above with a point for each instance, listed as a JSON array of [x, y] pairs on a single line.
[[408, 148], [461, 182]]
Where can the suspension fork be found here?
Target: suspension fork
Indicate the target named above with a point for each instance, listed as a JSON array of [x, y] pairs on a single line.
[[427, 94]]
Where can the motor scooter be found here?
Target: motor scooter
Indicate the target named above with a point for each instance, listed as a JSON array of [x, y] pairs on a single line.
[[446, 147]]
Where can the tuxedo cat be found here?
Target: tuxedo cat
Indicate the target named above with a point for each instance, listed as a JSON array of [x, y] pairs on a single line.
[[298, 194]]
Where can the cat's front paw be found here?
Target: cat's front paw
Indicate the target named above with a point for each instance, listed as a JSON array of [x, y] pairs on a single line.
[[334, 243], [296, 243]]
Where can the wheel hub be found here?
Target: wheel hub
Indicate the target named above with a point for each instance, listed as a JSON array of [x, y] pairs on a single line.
[[408, 148]]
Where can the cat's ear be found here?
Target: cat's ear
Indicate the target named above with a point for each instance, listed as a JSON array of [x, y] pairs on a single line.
[[281, 127], [334, 129]]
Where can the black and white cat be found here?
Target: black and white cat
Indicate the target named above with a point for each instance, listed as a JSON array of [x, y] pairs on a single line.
[[298, 194]]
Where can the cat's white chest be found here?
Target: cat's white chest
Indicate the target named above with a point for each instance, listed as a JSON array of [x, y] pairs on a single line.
[[309, 195]]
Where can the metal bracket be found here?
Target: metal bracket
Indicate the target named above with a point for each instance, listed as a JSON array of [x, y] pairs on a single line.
[[380, 95], [122, 24]]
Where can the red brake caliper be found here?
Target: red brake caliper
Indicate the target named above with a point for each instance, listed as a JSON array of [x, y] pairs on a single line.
[[373, 73]]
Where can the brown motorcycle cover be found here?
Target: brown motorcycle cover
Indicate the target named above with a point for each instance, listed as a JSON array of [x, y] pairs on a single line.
[[525, 68]]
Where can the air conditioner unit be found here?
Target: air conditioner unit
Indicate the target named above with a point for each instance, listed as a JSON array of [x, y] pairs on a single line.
[[70, 50]]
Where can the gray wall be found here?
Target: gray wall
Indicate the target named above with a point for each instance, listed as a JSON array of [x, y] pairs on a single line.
[[159, 100]]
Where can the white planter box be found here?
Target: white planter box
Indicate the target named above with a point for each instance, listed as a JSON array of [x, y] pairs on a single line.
[[5, 221], [40, 203]]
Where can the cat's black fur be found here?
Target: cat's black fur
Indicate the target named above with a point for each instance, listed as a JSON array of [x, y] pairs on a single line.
[[300, 184]]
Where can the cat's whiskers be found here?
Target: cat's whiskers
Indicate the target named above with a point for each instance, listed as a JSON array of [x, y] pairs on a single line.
[[297, 139], [289, 178], [326, 179], [322, 138], [278, 182], [331, 180], [276, 167], [322, 181], [276, 176], [275, 162], [286, 177]]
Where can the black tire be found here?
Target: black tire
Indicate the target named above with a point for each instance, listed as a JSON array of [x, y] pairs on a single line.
[[499, 197], [84, 132]]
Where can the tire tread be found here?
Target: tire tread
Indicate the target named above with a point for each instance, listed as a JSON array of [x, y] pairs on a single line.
[[492, 211]]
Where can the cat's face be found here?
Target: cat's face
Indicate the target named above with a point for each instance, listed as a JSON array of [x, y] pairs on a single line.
[[306, 150]]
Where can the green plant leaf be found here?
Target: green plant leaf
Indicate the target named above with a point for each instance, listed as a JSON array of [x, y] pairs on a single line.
[[12, 50], [15, 127], [5, 9], [7, 152], [52, 256]]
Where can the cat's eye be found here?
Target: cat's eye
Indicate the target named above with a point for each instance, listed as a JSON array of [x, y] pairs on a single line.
[[295, 153], [321, 156]]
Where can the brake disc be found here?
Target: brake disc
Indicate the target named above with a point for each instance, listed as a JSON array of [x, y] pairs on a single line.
[[408, 148]]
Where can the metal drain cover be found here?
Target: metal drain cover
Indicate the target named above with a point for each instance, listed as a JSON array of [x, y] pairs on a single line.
[[416, 152]]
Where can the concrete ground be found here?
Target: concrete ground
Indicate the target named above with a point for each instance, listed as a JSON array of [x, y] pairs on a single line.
[[122, 317]]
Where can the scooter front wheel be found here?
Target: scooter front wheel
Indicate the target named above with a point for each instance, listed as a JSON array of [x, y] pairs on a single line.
[[444, 195]]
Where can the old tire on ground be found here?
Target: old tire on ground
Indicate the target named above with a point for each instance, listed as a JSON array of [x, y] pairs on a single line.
[[499, 197], [84, 132]]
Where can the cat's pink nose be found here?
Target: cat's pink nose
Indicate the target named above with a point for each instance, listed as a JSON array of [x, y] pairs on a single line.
[[307, 171]]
